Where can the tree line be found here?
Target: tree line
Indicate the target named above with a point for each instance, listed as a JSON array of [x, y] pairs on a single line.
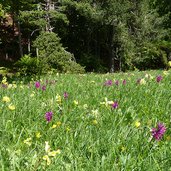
[[100, 35]]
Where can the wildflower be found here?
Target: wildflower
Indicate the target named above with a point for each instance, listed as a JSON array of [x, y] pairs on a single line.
[[94, 122], [68, 128], [54, 153], [75, 102], [117, 82], [37, 84], [108, 83], [47, 159], [11, 107], [95, 112], [54, 126], [32, 94], [48, 116], [47, 146], [123, 148], [4, 81], [159, 78], [106, 102], [169, 63], [115, 105], [58, 99], [28, 141], [38, 135], [137, 124], [65, 95], [124, 82], [43, 88], [85, 106], [159, 132], [58, 124], [142, 82], [6, 99]]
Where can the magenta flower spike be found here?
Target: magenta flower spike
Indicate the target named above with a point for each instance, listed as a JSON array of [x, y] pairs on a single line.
[[115, 105], [108, 83], [48, 116], [159, 78], [43, 88], [37, 84], [65, 95], [159, 132]]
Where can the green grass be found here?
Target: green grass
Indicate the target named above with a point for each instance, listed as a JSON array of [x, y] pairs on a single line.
[[106, 139]]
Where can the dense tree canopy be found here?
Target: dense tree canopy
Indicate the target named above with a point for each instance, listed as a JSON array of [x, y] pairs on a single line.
[[101, 35]]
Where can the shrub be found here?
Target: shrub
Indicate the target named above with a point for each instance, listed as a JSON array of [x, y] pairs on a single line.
[[51, 53], [28, 65]]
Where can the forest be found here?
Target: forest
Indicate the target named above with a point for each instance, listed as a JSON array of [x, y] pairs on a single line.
[[75, 36]]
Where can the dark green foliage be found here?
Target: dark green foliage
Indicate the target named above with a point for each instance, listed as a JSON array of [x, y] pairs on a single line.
[[28, 65], [51, 53]]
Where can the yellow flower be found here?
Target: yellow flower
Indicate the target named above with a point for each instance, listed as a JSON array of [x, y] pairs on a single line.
[[165, 73], [68, 129], [54, 153], [58, 99], [4, 80], [137, 124], [32, 94], [123, 148], [75, 102], [142, 81], [9, 86], [85, 106], [169, 63], [38, 135], [95, 112], [11, 107], [95, 122], [106, 102], [6, 99], [58, 124], [54, 126], [47, 159], [28, 141], [21, 86], [47, 146]]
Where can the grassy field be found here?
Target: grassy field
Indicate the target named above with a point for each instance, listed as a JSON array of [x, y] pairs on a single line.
[[87, 122]]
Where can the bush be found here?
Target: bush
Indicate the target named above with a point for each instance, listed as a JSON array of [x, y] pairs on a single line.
[[28, 65], [52, 54]]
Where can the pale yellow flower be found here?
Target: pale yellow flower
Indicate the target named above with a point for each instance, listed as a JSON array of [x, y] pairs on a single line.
[[47, 147], [68, 129], [4, 80], [47, 159], [106, 102], [137, 124], [142, 81], [95, 112], [58, 99], [85, 106], [9, 86], [123, 148], [95, 122], [75, 102], [11, 107], [54, 153], [54, 126], [38, 135], [28, 141], [58, 124], [169, 63], [6, 99]]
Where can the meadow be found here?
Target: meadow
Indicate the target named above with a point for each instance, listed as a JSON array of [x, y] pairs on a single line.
[[86, 122]]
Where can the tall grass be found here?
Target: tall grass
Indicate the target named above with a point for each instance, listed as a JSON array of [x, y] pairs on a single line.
[[86, 132]]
